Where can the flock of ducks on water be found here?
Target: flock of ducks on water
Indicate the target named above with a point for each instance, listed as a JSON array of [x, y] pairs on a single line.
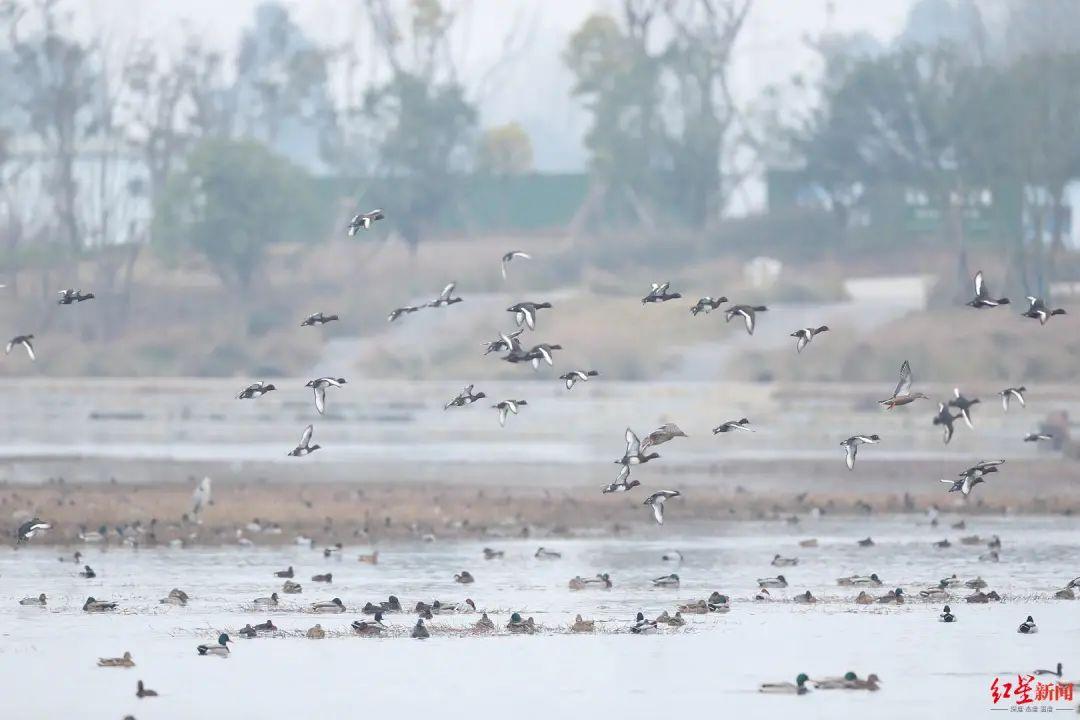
[[637, 452]]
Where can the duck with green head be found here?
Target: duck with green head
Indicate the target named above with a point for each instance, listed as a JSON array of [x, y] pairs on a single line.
[[221, 649], [796, 688]]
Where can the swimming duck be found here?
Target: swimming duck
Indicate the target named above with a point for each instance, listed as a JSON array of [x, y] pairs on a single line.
[[942, 544], [464, 577], [870, 683], [255, 390], [369, 559], [622, 483], [525, 312], [25, 341], [945, 419], [305, 447], [463, 398], [971, 540], [676, 556], [364, 221], [519, 626], [779, 582], [142, 691], [582, 626], [741, 424], [545, 554], [895, 597], [634, 455], [718, 602], [657, 500], [330, 606], [287, 573], [71, 295], [698, 607], [221, 649], [291, 588], [1028, 627], [779, 561], [316, 633], [30, 528], [507, 406], [748, 314], [318, 387], [667, 581], [575, 376], [981, 598], [864, 598], [811, 543], [1011, 393], [805, 335], [846, 682], [1063, 594], [866, 542], [267, 626], [318, 319], [1037, 310], [902, 395], [424, 611], [796, 688], [445, 297], [247, 632], [38, 601], [369, 628], [964, 405], [851, 447], [490, 554], [484, 624], [325, 578], [982, 297], [934, 593], [176, 596], [92, 605], [512, 255], [976, 584], [124, 661], [871, 580], [805, 598], [707, 304], [659, 293], [1056, 673], [1036, 437], [398, 312], [643, 626], [946, 615], [271, 601], [87, 572]]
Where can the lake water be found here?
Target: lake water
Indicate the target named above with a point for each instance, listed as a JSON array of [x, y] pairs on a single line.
[[713, 665]]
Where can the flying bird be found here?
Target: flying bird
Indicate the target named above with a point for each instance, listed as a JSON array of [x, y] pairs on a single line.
[[25, 341], [963, 485], [805, 335], [1037, 310], [541, 352], [318, 387], [659, 293], [657, 500], [508, 406], [902, 395], [945, 419], [398, 312], [318, 319], [503, 342], [963, 404], [661, 435], [69, 296], [634, 454], [445, 297], [525, 312], [982, 297], [851, 447], [465, 397], [305, 447], [741, 424], [623, 483], [29, 529], [1010, 393], [707, 304], [364, 221], [575, 376], [254, 390], [1036, 437], [200, 498], [512, 255], [748, 314]]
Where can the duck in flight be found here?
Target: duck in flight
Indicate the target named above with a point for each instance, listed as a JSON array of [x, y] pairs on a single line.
[[525, 312], [398, 312], [805, 335], [1037, 310], [963, 485], [623, 483], [445, 297], [634, 454], [902, 395], [318, 319], [748, 313], [305, 447], [25, 341], [657, 500], [507, 406], [541, 352], [254, 390], [575, 376], [741, 424], [1036, 437], [510, 257], [982, 297], [963, 404], [659, 293], [503, 342], [29, 529], [318, 387], [71, 295], [661, 435], [707, 304], [851, 447], [465, 397], [1012, 393], [945, 419], [364, 221]]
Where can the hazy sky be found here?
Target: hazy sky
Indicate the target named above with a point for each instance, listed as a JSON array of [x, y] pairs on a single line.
[[534, 90]]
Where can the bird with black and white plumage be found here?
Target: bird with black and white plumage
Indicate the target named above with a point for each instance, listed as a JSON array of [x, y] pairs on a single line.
[[1028, 627], [981, 469], [509, 257], [666, 581], [465, 397], [72, 295], [642, 626], [982, 297], [26, 341], [623, 483], [364, 221], [505, 341], [330, 606], [661, 435], [1012, 393], [318, 387], [220, 649], [963, 404], [255, 390], [706, 305], [39, 601], [318, 319], [1038, 437], [659, 293], [446, 297], [398, 312], [963, 485], [946, 420], [1037, 310], [29, 529], [805, 335], [851, 447], [657, 500], [575, 376], [507, 406], [525, 312], [947, 615], [305, 447], [543, 351], [729, 425], [902, 395], [747, 312], [634, 454]]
